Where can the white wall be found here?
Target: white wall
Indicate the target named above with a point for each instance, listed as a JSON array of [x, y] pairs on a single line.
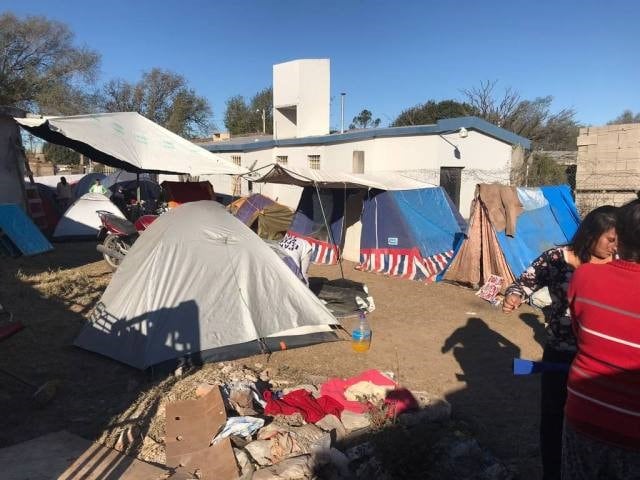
[[483, 158], [303, 86]]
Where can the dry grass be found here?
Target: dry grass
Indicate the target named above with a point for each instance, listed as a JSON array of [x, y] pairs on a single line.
[[74, 287]]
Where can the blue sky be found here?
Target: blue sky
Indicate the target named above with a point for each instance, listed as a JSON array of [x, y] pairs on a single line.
[[386, 55]]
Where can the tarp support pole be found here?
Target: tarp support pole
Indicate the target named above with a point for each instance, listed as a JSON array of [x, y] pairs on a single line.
[[138, 188], [326, 223]]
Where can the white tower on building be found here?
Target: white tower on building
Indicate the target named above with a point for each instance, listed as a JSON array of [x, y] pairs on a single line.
[[301, 98]]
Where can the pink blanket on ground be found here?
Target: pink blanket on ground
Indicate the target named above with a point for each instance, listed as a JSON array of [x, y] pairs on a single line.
[[398, 400]]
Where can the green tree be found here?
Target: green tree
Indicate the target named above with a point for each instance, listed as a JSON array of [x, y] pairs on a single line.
[[529, 118], [540, 169], [625, 117], [59, 155], [237, 116], [262, 101], [241, 117], [41, 69], [364, 120], [432, 111], [163, 97]]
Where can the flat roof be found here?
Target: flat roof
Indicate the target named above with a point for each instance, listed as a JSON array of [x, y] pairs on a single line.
[[445, 126]]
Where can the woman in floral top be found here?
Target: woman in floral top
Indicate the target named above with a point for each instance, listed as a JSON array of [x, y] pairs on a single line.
[[594, 242]]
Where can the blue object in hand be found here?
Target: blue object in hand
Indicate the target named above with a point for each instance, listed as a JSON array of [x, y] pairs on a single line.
[[528, 367]]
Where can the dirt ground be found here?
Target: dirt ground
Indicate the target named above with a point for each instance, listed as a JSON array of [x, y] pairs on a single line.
[[437, 338]]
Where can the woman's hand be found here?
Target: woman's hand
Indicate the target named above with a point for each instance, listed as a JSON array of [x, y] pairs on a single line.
[[511, 302]]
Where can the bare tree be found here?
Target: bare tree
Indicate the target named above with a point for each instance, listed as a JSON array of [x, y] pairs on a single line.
[[529, 118], [625, 117], [41, 69]]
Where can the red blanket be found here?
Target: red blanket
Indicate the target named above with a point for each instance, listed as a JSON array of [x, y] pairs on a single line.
[[301, 401]]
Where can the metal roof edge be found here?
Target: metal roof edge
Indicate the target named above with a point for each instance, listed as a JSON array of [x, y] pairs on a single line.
[[448, 125]]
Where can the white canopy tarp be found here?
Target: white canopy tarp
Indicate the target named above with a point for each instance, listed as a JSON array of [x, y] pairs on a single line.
[[304, 177], [200, 282], [81, 219], [129, 141]]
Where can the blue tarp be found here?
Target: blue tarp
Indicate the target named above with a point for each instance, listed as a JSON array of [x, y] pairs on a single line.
[[309, 220], [21, 230], [407, 219], [541, 229], [409, 233]]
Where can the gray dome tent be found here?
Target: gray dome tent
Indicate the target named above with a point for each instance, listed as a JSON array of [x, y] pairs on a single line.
[[199, 283]]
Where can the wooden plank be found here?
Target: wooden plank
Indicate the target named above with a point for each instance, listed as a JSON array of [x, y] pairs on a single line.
[[65, 456]]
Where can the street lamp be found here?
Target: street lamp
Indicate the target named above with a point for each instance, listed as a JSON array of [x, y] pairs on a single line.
[[342, 112], [264, 119]]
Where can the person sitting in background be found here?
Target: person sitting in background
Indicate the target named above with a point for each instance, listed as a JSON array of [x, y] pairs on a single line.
[[97, 187], [593, 242], [602, 429], [64, 193]]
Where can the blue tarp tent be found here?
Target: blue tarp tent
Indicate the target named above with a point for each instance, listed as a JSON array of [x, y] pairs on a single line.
[[549, 218], [409, 233], [317, 209], [405, 233]]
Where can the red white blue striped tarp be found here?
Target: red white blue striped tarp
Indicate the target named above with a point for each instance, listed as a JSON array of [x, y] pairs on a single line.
[[408, 264], [324, 253]]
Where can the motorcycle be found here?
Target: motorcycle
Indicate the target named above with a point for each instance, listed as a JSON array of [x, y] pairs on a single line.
[[119, 234]]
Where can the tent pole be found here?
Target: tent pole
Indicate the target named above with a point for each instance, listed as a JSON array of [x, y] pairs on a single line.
[[326, 223], [138, 187]]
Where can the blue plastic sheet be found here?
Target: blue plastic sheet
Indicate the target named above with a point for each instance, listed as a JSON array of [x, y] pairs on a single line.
[[563, 208], [22, 232], [406, 219], [541, 229]]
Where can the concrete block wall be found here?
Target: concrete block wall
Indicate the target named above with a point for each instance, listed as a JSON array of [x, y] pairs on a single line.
[[608, 170]]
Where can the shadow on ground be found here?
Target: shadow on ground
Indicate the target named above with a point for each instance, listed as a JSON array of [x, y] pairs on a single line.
[[89, 390]]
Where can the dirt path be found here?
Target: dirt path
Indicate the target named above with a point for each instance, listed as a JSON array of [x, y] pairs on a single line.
[[440, 338]]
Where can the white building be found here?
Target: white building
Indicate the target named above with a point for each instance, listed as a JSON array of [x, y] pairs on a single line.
[[457, 153]]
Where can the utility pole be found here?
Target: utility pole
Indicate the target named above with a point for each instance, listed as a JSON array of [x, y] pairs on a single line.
[[264, 119], [342, 112]]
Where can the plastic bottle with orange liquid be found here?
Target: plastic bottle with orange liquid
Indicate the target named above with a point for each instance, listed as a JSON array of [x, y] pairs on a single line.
[[361, 335]]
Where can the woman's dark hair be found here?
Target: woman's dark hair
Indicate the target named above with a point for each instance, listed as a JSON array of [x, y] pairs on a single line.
[[628, 229], [596, 223]]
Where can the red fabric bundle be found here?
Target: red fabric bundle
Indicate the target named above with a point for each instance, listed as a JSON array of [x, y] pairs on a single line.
[[301, 401]]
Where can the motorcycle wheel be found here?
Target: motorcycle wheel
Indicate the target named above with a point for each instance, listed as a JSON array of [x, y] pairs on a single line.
[[113, 242]]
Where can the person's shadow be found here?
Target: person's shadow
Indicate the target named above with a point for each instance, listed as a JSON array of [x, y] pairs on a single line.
[[492, 397], [480, 351], [539, 332]]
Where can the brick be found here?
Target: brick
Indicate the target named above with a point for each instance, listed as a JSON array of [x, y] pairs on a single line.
[[607, 142], [630, 138], [629, 154], [584, 140]]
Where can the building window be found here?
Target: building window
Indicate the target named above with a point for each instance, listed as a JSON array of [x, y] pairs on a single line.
[[282, 159], [314, 162], [236, 159]]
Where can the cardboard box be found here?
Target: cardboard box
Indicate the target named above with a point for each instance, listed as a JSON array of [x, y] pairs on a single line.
[[190, 426]]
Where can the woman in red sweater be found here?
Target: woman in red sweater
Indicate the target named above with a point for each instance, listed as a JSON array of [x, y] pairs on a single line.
[[602, 417]]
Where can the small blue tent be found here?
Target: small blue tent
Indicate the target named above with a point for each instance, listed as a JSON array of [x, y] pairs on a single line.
[[547, 218], [409, 233], [405, 233]]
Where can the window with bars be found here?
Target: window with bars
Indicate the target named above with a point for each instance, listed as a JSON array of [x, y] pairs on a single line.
[[282, 159], [236, 159], [314, 162]]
